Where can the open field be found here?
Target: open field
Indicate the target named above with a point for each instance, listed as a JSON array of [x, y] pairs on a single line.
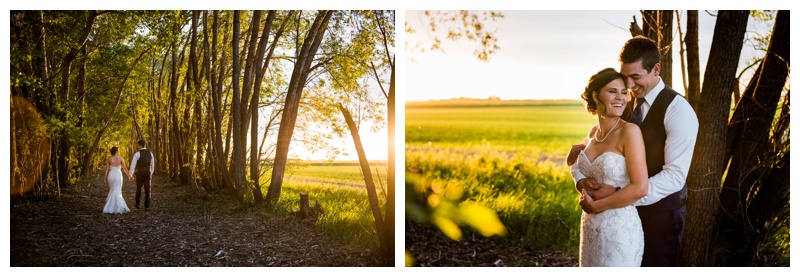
[[505, 155], [338, 172], [549, 127]]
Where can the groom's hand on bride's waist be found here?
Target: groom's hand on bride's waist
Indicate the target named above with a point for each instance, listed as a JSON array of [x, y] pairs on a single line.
[[595, 189], [602, 192]]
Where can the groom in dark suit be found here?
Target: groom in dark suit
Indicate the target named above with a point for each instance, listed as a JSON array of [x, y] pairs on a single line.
[[669, 128], [143, 164]]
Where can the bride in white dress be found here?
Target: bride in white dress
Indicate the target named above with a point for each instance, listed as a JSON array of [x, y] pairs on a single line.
[[115, 165], [614, 154]]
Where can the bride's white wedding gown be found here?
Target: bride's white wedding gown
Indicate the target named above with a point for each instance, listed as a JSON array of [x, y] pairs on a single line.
[[612, 237], [115, 204]]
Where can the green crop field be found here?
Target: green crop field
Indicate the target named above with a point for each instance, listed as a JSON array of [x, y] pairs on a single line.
[[505, 155], [348, 173], [548, 127]]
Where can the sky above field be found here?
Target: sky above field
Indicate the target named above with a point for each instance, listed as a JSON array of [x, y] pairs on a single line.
[[543, 55]]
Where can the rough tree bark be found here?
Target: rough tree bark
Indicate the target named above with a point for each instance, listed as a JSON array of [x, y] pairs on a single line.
[[751, 151], [238, 159], [708, 162], [665, 43], [693, 60]]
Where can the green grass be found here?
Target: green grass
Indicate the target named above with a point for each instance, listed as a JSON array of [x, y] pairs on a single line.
[[549, 127], [506, 155], [347, 214], [340, 172], [339, 188]]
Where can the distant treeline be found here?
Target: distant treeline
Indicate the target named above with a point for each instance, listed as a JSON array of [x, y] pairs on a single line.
[[480, 103]]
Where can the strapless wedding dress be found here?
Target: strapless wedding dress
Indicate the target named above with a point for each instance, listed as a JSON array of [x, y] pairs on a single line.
[[115, 204], [612, 237]]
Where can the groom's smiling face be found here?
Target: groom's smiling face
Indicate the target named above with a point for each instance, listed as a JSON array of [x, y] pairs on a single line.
[[639, 81]]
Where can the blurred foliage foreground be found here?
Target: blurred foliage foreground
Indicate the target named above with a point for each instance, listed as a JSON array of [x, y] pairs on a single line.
[[518, 196]]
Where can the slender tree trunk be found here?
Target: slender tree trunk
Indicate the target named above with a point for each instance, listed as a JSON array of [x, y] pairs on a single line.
[[693, 60], [296, 84], [390, 179], [238, 159], [372, 194], [255, 155], [708, 162], [751, 155], [665, 43]]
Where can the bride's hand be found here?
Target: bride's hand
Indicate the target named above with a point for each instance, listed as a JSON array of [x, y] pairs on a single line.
[[587, 203]]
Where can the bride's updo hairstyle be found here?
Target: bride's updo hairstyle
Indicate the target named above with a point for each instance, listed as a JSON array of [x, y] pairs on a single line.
[[597, 82], [113, 150]]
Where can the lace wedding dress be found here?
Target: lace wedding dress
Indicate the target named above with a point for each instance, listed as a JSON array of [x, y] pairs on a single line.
[[115, 204], [612, 237]]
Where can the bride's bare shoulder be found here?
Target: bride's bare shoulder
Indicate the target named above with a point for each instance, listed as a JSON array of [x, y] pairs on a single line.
[[630, 129]]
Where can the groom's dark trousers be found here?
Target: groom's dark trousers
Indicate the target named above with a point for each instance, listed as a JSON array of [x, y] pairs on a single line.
[[142, 172], [663, 222], [143, 180]]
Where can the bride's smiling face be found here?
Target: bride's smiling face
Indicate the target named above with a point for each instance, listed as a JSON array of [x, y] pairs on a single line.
[[611, 99]]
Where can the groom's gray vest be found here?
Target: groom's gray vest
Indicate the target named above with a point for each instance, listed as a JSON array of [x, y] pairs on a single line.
[[143, 164], [655, 137]]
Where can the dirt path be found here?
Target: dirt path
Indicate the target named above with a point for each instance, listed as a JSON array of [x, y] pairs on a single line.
[[180, 229], [432, 249]]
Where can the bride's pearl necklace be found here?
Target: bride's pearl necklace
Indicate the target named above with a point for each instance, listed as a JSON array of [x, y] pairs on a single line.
[[596, 136]]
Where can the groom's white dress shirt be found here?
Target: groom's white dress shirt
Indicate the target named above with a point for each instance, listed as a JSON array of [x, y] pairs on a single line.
[[136, 158], [680, 124]]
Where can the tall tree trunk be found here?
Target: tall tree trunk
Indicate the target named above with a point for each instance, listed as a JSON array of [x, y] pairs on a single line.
[[693, 60], [238, 159], [390, 178], [219, 161], [665, 43], [389, 226], [372, 193], [749, 146], [708, 162], [255, 155], [293, 95], [66, 66], [247, 85]]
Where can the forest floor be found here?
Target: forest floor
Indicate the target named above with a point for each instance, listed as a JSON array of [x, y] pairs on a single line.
[[183, 227], [429, 247]]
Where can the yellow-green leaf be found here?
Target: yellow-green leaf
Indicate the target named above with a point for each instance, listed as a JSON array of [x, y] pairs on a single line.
[[448, 227], [482, 219]]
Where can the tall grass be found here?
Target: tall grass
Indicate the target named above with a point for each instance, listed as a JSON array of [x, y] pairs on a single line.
[[347, 214], [534, 199], [506, 155]]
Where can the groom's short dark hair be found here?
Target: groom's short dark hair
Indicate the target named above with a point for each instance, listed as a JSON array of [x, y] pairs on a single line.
[[640, 48], [141, 143]]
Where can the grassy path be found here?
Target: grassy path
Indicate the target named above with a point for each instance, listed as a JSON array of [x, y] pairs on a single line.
[[180, 229]]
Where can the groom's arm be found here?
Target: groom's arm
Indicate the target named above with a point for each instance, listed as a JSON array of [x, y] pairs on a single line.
[[133, 161], [680, 123]]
